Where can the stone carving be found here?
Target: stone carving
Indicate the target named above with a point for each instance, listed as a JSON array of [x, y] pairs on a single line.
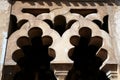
[[59, 25]]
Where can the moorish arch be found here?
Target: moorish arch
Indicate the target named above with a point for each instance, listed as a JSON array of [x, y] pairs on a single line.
[[61, 30]]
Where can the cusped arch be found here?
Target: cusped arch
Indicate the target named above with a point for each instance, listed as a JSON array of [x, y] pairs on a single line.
[[87, 23], [76, 21], [23, 31]]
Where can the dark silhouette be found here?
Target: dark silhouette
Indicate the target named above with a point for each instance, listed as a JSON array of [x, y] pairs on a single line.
[[104, 25], [34, 61], [86, 63], [60, 24], [15, 24]]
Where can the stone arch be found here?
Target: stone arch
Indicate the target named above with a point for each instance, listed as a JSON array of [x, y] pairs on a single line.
[[23, 31], [86, 53], [35, 62], [61, 44]]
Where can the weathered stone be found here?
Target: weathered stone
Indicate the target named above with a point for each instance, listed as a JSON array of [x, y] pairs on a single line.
[[72, 15]]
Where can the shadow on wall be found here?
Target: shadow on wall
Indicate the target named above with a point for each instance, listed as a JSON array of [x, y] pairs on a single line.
[[32, 59], [14, 25], [68, 2], [60, 24], [86, 59]]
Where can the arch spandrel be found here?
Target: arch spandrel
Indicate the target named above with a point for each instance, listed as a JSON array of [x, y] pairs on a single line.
[[25, 16], [94, 16], [24, 32], [11, 47]]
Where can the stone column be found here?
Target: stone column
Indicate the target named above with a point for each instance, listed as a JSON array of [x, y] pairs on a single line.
[[60, 75], [61, 70], [4, 25]]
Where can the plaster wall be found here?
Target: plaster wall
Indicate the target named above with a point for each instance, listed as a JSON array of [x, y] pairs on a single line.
[[5, 8]]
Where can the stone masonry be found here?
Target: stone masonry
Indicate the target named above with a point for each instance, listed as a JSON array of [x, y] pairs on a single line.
[[59, 25]]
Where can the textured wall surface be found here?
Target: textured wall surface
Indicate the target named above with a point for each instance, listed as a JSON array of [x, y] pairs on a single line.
[[111, 41], [4, 23]]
